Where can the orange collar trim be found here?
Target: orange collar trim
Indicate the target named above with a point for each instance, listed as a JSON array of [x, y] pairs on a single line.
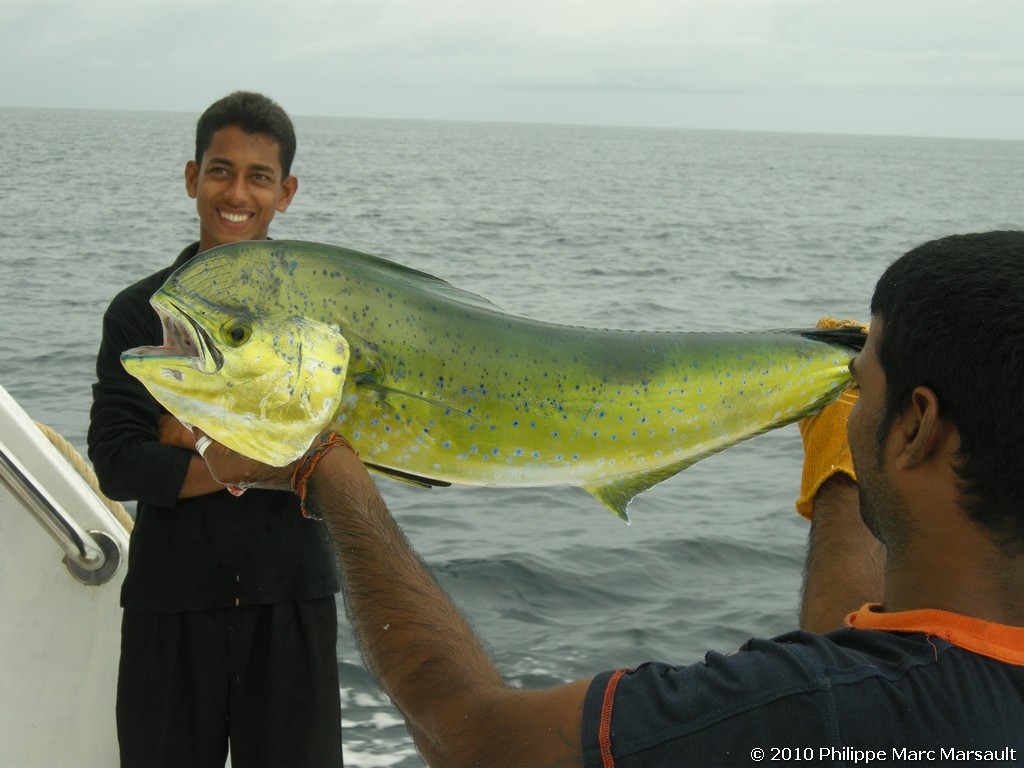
[[997, 641]]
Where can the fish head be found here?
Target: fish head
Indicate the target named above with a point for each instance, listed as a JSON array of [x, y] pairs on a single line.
[[237, 362]]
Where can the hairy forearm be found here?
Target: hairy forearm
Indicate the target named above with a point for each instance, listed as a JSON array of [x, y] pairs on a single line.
[[413, 640], [845, 562]]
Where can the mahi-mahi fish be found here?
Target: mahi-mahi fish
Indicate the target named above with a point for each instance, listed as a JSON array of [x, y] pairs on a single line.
[[266, 344]]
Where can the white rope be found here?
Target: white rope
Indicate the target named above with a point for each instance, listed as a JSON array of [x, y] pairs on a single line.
[[82, 467]]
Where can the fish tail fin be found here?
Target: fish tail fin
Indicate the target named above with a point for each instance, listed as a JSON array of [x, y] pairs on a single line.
[[852, 337]]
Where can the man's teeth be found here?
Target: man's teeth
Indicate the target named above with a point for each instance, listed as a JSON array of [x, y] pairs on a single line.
[[235, 218]]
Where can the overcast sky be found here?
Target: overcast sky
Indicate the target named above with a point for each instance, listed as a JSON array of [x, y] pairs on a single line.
[[903, 67]]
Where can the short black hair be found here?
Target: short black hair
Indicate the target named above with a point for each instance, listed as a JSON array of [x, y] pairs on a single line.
[[253, 113], [952, 313]]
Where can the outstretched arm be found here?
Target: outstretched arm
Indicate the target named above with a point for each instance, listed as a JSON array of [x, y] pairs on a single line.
[[845, 563], [423, 651], [415, 642]]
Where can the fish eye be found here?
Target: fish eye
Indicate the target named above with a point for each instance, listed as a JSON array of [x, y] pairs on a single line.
[[236, 332]]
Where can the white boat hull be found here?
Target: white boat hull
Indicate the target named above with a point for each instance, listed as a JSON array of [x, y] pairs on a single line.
[[59, 638]]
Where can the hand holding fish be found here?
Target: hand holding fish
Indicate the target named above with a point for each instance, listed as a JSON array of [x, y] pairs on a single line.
[[237, 471], [826, 448]]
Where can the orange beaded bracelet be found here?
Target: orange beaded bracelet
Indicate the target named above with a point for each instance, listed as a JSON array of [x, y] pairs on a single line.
[[304, 469]]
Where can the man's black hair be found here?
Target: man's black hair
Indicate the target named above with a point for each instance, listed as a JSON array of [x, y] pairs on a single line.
[[952, 313], [253, 113]]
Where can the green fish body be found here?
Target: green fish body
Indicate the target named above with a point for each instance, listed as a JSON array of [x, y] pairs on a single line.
[[268, 343]]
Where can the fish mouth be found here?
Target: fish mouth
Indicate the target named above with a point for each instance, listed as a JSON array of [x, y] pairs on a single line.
[[186, 344]]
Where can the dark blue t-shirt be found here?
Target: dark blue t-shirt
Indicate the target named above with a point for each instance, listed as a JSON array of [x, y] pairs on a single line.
[[821, 699]]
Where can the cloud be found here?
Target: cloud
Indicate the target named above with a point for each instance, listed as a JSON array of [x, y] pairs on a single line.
[[698, 45], [331, 56]]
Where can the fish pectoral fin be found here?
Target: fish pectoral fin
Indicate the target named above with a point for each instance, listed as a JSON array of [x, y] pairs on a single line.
[[406, 477], [616, 494], [367, 381]]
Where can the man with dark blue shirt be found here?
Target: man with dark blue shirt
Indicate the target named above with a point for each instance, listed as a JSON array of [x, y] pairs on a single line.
[[910, 647]]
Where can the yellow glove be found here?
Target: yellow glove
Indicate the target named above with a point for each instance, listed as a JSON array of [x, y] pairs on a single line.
[[826, 448]]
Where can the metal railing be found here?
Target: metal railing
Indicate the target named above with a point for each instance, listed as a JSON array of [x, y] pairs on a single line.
[[92, 557]]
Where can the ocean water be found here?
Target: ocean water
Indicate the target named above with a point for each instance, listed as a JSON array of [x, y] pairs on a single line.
[[606, 227]]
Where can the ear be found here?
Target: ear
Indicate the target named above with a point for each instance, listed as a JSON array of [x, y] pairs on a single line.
[[290, 185], [921, 429], [192, 178]]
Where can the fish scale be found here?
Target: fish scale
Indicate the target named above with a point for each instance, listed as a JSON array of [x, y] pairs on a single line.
[[437, 385]]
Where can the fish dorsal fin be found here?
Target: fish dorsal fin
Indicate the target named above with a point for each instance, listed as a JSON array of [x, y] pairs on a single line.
[[360, 262], [617, 493]]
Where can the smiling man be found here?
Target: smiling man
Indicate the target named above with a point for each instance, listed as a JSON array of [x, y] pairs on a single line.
[[230, 625], [239, 181]]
